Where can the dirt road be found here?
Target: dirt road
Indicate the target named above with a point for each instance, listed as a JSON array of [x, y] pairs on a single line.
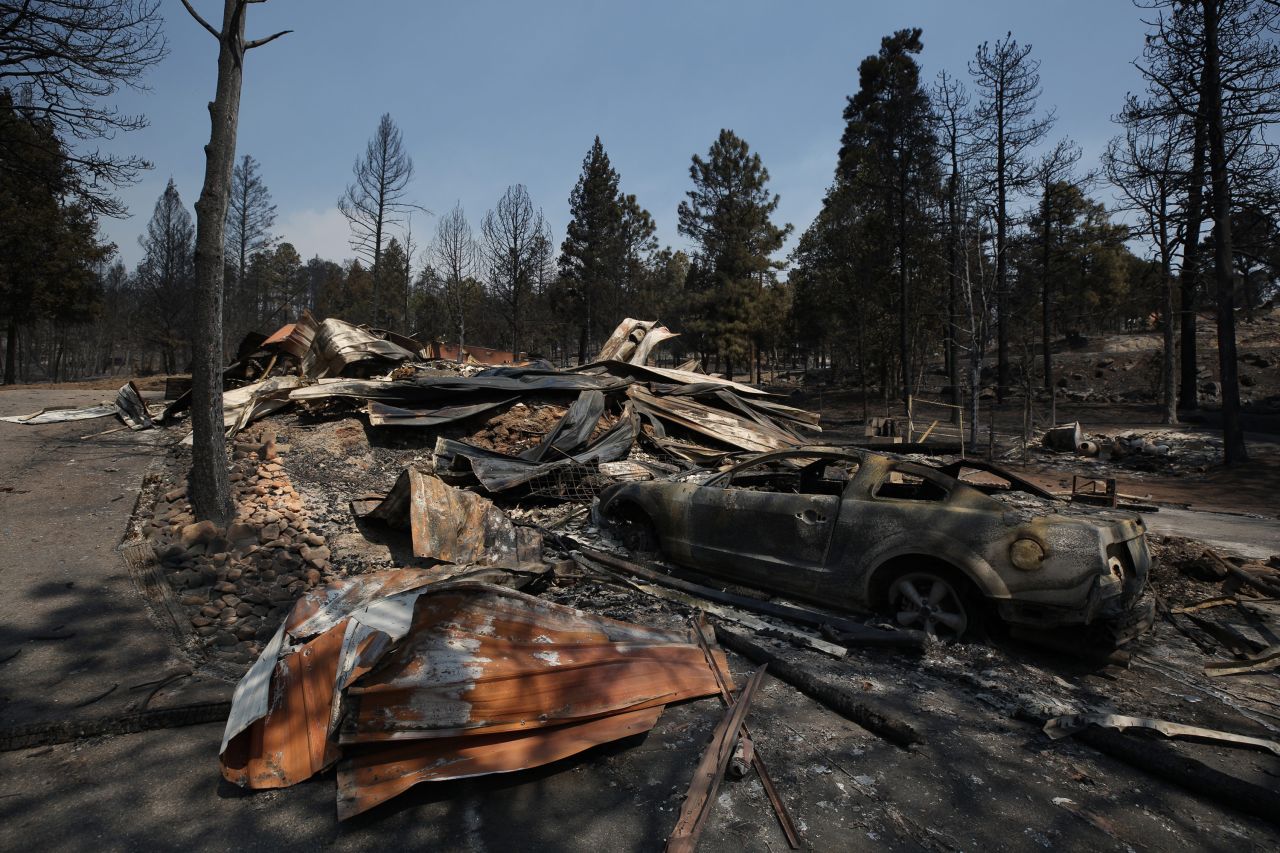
[[1249, 536]]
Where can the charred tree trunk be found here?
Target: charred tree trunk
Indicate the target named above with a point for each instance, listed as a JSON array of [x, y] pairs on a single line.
[[953, 296], [1233, 448], [1046, 316], [1188, 393], [1002, 268], [210, 487], [904, 297], [1169, 397], [11, 353]]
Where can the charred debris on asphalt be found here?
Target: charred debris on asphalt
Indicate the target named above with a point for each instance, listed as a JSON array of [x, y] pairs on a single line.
[[665, 483]]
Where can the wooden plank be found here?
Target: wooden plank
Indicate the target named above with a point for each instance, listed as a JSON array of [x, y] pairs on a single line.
[[757, 761], [839, 699], [710, 770]]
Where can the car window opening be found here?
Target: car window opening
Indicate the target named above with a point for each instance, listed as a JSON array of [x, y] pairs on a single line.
[[900, 486], [818, 478], [826, 478]]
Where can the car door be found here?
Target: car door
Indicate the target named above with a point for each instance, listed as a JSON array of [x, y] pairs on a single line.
[[888, 500], [769, 538]]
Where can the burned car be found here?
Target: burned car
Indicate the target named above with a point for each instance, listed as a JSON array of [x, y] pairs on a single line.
[[857, 529]]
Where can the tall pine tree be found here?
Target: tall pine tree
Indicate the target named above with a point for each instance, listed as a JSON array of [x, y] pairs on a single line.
[[588, 256], [889, 153], [728, 213]]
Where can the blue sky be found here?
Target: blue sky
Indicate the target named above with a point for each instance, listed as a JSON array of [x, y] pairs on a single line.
[[491, 93]]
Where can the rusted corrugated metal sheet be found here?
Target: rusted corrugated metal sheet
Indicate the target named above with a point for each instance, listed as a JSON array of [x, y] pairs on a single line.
[[279, 336], [371, 777], [473, 354], [323, 607], [450, 525], [736, 430], [338, 345], [480, 657], [446, 680], [291, 743]]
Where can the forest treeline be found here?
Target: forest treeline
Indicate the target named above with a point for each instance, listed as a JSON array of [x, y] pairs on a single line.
[[959, 240]]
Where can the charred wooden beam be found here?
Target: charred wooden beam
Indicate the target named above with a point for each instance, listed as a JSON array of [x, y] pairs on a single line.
[[838, 698]]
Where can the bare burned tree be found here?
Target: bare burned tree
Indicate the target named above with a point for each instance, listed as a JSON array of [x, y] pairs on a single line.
[[375, 201], [1172, 62], [250, 217], [410, 250], [1246, 34], [454, 253], [1051, 172], [1150, 174], [1009, 127], [1216, 63], [61, 59], [951, 108], [512, 233], [210, 488]]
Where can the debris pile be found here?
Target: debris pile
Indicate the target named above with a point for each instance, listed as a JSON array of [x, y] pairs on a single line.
[[128, 405], [1171, 451], [545, 432], [400, 677]]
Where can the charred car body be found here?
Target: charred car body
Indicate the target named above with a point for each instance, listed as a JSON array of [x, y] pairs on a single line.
[[857, 529]]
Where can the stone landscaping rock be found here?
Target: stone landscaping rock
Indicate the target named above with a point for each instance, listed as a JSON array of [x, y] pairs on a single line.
[[255, 569], [197, 533]]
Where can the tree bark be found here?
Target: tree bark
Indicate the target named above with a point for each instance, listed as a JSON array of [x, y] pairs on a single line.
[[210, 487], [1233, 447]]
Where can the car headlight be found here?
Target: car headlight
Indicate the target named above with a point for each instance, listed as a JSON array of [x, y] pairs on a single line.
[[1026, 554]]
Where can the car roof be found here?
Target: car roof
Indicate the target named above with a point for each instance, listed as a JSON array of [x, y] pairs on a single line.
[[808, 451]]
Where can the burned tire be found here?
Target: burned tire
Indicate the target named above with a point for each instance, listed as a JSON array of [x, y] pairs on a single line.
[[936, 602], [635, 530]]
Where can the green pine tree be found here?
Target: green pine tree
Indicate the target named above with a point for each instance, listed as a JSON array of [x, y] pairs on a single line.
[[728, 214]]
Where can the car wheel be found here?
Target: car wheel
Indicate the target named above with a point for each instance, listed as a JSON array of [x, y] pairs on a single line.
[[637, 533], [931, 603]]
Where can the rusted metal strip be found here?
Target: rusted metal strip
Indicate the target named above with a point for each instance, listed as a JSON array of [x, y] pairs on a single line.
[[710, 770], [757, 761]]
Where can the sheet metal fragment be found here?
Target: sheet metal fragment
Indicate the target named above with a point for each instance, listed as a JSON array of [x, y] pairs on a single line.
[[57, 416], [447, 524], [483, 658]]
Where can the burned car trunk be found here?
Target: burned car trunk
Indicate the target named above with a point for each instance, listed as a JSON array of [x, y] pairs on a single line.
[[858, 529]]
